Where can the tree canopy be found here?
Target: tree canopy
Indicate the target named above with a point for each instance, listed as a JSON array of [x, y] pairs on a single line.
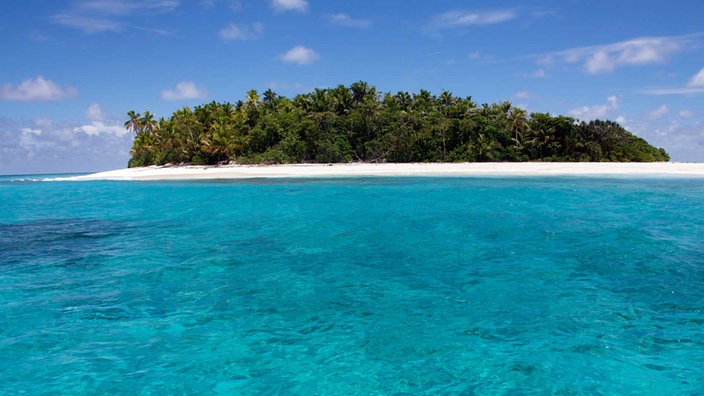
[[359, 123]]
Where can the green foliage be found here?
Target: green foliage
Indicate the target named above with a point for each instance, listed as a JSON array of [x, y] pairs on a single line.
[[358, 123]]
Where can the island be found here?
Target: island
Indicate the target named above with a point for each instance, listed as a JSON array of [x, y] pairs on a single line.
[[357, 123]]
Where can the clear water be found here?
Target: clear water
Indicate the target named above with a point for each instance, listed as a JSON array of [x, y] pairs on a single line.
[[353, 286]]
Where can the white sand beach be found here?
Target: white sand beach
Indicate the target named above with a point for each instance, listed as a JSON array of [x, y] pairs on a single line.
[[656, 169]]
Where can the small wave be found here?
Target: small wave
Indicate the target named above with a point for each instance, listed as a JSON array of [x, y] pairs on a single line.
[[39, 178]]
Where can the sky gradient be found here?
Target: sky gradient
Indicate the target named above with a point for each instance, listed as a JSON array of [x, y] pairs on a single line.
[[72, 69]]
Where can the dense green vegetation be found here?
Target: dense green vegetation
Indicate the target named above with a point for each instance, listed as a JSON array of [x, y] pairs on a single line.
[[358, 123]]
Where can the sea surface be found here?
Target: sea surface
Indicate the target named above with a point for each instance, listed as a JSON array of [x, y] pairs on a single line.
[[359, 286]]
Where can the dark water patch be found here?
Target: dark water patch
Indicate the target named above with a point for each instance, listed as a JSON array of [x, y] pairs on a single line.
[[63, 242]]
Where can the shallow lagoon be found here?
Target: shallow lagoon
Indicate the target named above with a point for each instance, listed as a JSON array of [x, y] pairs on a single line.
[[353, 286]]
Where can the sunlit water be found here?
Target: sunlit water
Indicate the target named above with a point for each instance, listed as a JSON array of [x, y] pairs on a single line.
[[353, 286]]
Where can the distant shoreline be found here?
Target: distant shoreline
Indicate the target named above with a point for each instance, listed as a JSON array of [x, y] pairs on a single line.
[[648, 169]]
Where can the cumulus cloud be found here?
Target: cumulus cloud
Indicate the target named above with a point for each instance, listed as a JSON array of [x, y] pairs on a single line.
[[30, 131], [96, 16], [37, 89], [99, 123], [95, 113], [686, 113], [241, 32], [300, 55], [96, 128], [342, 19], [184, 90], [290, 5], [659, 112], [459, 19], [697, 81], [30, 140], [47, 146], [600, 62], [599, 59], [599, 111]]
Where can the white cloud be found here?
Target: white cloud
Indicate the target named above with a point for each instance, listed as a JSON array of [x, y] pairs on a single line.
[[345, 20], [697, 81], [600, 62], [659, 112], [640, 51], [290, 5], [674, 91], [454, 19], [540, 73], [522, 95], [300, 55], [184, 90], [38, 89], [30, 131], [686, 113], [96, 16], [44, 122], [96, 128], [600, 111], [48, 146], [99, 123], [30, 140], [241, 32], [95, 113], [695, 86]]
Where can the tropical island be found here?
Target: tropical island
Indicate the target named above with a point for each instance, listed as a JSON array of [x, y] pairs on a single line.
[[360, 124]]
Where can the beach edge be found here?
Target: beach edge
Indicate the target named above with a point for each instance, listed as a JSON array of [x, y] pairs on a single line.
[[186, 172]]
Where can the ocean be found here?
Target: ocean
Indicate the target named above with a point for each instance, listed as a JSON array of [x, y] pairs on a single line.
[[353, 286]]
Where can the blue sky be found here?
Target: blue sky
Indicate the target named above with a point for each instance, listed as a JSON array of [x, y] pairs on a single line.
[[72, 69]]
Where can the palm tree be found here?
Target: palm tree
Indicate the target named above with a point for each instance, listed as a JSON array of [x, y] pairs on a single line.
[[220, 140], [423, 102], [446, 100], [486, 148], [320, 100], [148, 123], [166, 141], [540, 141], [362, 91], [134, 123], [252, 101], [404, 100], [188, 131], [342, 99], [270, 99], [519, 124]]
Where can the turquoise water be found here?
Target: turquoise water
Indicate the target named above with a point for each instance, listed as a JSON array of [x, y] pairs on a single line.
[[353, 286]]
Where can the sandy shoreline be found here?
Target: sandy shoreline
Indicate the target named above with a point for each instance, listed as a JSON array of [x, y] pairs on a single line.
[[657, 169]]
